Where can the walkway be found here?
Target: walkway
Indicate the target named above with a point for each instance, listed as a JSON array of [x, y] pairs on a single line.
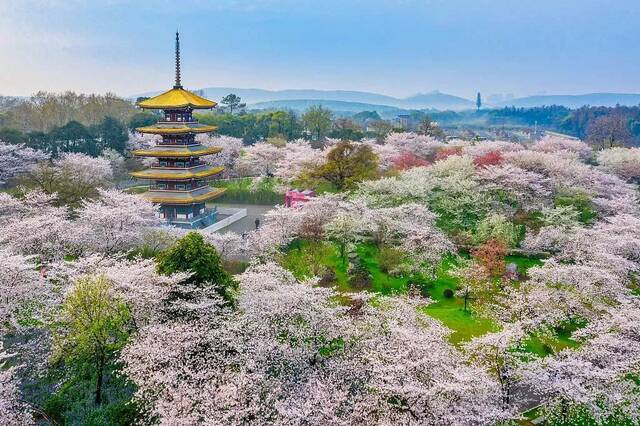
[[247, 223]]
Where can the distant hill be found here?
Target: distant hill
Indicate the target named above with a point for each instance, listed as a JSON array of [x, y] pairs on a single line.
[[257, 98], [436, 100], [254, 96], [338, 107], [576, 101], [351, 100]]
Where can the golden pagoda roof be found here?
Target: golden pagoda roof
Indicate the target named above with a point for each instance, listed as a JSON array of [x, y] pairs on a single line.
[[176, 128], [176, 151], [177, 98], [168, 197], [177, 173]]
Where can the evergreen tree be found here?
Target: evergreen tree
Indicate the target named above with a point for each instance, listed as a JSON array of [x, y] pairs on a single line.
[[232, 102], [192, 254]]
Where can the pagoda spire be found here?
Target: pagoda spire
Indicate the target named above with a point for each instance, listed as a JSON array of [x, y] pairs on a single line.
[[177, 85]]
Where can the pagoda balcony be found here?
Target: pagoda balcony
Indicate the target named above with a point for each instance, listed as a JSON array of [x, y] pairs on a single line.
[[177, 121], [174, 198], [177, 165], [177, 186], [175, 151], [199, 172]]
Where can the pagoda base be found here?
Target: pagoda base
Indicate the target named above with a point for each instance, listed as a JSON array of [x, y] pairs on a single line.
[[206, 218]]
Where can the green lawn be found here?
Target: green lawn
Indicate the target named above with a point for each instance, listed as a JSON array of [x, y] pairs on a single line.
[[308, 258], [450, 311], [241, 190]]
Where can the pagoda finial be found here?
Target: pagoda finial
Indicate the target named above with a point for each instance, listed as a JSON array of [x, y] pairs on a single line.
[[177, 85]]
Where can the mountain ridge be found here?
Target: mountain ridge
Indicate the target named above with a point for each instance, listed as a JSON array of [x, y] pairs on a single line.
[[260, 98]]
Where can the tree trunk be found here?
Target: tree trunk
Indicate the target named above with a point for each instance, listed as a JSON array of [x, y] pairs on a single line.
[[100, 373]]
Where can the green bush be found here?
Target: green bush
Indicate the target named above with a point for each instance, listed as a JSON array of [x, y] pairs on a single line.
[[581, 202], [389, 258], [192, 254], [497, 227]]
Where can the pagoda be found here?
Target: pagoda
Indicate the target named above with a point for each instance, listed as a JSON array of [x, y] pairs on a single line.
[[180, 179]]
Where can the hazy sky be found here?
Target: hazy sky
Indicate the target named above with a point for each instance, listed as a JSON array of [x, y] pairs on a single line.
[[395, 47]]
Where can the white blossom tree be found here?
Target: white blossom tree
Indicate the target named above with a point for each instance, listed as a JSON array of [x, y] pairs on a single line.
[[290, 355], [13, 409], [18, 160], [114, 222], [623, 162]]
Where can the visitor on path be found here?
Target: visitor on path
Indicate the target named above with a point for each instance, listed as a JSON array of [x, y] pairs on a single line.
[[257, 222]]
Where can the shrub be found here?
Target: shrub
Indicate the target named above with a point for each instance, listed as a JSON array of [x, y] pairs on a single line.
[[192, 254], [389, 259], [444, 153], [491, 158], [448, 293], [497, 227], [328, 279], [491, 256], [408, 160], [581, 202], [360, 281]]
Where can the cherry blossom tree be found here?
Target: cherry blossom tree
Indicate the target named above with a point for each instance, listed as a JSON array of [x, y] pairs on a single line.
[[259, 159], [529, 189], [408, 161], [114, 222], [34, 226], [610, 194], [502, 354], [136, 281], [491, 158], [20, 286], [73, 176], [18, 160], [13, 410], [474, 281], [228, 157], [335, 364], [422, 146], [623, 162], [596, 375], [298, 157], [563, 146], [139, 140], [346, 231], [229, 244]]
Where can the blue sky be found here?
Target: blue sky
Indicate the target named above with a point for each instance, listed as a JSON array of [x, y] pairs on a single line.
[[395, 47]]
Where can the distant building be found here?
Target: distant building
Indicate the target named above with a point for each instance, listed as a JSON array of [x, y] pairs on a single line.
[[409, 122], [294, 197], [404, 121]]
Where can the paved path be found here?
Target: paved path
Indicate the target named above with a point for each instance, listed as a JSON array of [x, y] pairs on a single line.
[[247, 223]]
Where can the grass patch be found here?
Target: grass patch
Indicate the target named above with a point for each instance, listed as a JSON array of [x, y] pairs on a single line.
[[136, 189], [450, 311], [242, 191], [321, 258]]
